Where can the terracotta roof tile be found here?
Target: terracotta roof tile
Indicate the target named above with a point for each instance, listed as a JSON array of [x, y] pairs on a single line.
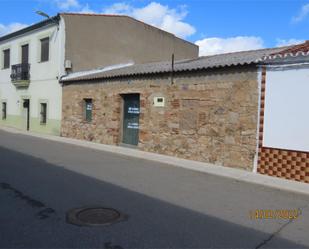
[[303, 47]]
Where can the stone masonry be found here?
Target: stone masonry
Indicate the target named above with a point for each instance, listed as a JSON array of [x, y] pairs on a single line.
[[209, 116]]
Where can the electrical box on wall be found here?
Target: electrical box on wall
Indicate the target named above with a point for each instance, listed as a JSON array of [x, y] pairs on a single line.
[[159, 101], [68, 64]]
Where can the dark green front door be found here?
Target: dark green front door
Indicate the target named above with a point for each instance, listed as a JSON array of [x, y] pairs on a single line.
[[131, 112]]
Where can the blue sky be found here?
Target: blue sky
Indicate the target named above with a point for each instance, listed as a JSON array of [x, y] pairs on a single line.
[[216, 25]]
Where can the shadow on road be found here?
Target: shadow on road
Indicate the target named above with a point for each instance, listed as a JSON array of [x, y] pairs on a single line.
[[30, 185]]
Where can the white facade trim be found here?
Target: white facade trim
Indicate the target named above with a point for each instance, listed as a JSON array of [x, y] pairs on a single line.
[[259, 81]]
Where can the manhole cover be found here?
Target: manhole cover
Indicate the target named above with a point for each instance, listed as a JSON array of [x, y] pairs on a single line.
[[94, 216]]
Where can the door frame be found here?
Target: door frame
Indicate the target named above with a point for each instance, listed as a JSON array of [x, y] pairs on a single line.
[[22, 54], [121, 132], [23, 99], [22, 43]]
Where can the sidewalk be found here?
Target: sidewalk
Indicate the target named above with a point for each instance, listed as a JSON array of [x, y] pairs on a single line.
[[236, 174]]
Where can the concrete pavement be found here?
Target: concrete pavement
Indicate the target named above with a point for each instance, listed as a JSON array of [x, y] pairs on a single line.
[[40, 180]]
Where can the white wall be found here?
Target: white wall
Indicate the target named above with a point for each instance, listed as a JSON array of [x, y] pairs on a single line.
[[44, 83], [286, 118]]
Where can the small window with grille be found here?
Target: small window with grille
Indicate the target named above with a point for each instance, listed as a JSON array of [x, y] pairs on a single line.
[[43, 114], [88, 110], [3, 111]]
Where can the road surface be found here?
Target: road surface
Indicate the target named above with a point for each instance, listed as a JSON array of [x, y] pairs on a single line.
[[166, 207]]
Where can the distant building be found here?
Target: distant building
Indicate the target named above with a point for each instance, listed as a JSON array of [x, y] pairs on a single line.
[[33, 60]]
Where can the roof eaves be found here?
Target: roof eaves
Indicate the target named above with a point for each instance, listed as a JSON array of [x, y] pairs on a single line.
[[133, 74], [243, 58], [31, 28], [89, 14]]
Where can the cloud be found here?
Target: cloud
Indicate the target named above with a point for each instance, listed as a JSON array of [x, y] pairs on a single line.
[[283, 42], [158, 15], [302, 14], [12, 27], [86, 10], [118, 8], [73, 5], [67, 4], [215, 45]]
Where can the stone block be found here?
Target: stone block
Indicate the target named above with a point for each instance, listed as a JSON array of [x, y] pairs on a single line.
[[233, 117], [190, 103], [188, 120], [229, 140]]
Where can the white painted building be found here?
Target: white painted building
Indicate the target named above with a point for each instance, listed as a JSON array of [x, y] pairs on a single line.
[[31, 96]]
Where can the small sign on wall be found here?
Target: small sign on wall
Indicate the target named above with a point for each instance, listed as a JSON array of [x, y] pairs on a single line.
[[159, 101], [89, 106], [133, 125], [133, 110]]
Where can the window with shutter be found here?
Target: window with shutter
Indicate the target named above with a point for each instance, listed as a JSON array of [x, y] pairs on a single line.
[[45, 49], [25, 54], [6, 58]]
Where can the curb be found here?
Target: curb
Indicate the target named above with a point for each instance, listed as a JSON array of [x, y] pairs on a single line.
[[236, 174]]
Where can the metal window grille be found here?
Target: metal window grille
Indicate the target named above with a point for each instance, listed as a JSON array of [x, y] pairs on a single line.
[[88, 109], [4, 110], [43, 113]]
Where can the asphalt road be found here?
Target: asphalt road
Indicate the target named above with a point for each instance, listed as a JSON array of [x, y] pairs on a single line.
[[167, 207]]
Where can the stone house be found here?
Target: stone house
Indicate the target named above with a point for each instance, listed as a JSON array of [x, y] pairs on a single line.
[[284, 120], [204, 109], [33, 59]]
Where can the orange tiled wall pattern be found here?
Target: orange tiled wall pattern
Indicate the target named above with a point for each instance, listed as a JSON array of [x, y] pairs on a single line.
[[287, 164]]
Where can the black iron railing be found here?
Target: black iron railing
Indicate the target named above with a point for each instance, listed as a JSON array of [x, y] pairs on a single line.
[[20, 72]]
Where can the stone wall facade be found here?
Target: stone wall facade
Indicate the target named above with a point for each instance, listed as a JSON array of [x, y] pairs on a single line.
[[209, 116]]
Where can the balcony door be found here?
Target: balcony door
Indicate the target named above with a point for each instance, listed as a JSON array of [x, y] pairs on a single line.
[[25, 54]]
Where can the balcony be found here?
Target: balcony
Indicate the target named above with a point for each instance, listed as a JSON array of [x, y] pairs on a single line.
[[20, 75]]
